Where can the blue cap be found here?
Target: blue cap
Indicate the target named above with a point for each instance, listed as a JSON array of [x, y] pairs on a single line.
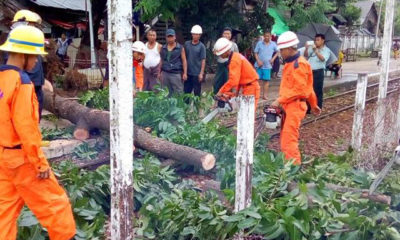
[[170, 32]]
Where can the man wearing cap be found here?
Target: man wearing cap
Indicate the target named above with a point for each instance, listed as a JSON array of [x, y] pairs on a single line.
[[196, 58], [173, 64], [295, 91], [242, 75]]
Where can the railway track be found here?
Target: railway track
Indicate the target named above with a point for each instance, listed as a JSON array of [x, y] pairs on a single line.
[[372, 95], [332, 105]]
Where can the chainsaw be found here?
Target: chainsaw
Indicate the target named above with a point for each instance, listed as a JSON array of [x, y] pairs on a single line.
[[223, 106], [272, 116], [272, 119]]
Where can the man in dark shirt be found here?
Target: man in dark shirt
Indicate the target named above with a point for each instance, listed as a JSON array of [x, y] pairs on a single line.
[[37, 77], [173, 64], [196, 59]]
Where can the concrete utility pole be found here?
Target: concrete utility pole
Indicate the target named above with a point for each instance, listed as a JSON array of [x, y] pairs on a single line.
[[379, 20], [244, 152], [92, 52], [121, 118], [383, 81], [359, 112]]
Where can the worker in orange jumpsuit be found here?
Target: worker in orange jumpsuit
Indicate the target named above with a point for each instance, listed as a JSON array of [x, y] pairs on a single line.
[[25, 175], [138, 48], [295, 91], [242, 75]]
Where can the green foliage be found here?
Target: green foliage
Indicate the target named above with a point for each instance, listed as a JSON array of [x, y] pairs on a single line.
[[301, 16], [96, 99], [351, 13], [165, 8], [173, 119], [84, 151], [275, 213], [89, 193], [56, 133], [169, 208], [303, 213]]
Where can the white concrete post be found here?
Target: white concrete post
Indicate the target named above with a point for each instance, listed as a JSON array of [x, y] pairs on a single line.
[[383, 81], [244, 152], [121, 118], [397, 129], [92, 51], [359, 111], [377, 25]]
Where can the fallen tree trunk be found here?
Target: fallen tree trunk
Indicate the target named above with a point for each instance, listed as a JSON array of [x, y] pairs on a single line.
[[86, 119], [375, 197]]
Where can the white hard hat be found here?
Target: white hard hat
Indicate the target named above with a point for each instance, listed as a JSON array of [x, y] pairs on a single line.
[[196, 29], [138, 46], [221, 46], [287, 39]]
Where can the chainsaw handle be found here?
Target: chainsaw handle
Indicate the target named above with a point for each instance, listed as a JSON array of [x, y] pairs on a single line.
[[225, 100]]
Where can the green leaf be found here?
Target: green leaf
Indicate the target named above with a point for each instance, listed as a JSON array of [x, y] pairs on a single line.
[[247, 223], [277, 233], [234, 218], [188, 231]]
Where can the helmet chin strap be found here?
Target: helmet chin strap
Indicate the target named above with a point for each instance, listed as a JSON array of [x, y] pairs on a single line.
[[26, 61]]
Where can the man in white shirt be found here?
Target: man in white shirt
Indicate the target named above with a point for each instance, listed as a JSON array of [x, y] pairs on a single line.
[[151, 62], [317, 55]]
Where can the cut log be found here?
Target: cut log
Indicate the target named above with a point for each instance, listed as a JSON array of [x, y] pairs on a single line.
[[88, 119], [81, 131], [167, 149], [375, 197]]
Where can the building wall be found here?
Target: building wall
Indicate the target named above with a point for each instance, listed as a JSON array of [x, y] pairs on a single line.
[[370, 22]]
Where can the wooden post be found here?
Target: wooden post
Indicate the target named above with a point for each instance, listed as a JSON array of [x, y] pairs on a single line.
[[359, 111], [244, 152], [121, 118], [383, 81]]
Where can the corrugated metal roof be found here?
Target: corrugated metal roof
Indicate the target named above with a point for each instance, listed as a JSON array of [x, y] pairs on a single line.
[[365, 7], [79, 5], [340, 18]]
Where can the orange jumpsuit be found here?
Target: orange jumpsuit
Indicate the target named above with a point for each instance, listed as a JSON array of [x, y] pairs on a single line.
[[138, 66], [296, 89], [21, 159], [242, 76]]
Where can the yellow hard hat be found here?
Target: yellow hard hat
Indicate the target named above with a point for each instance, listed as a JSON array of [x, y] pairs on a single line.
[[25, 39], [27, 16]]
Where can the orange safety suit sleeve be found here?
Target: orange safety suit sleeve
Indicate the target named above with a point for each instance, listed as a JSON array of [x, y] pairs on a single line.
[[22, 115], [235, 68], [139, 75]]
